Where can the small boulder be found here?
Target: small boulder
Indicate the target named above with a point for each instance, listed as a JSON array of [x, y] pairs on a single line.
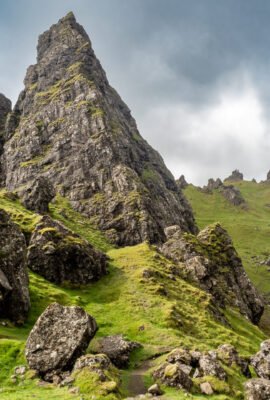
[[14, 293], [206, 388], [37, 196], [117, 349], [59, 255], [261, 360], [60, 335], [257, 389], [172, 375], [155, 390], [210, 366]]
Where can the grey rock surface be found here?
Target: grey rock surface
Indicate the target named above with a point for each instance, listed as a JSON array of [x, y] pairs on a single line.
[[37, 196], [211, 260], [59, 255], [14, 293], [257, 389], [59, 337], [70, 126], [172, 375], [118, 349], [261, 360]]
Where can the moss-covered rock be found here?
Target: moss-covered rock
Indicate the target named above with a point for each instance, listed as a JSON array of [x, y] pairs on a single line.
[[60, 255]]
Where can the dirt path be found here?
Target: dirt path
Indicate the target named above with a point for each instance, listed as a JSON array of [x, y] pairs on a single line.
[[136, 384]]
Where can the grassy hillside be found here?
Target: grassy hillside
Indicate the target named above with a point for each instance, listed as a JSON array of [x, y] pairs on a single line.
[[172, 314]]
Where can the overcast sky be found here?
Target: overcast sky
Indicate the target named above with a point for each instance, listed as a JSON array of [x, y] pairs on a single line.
[[195, 73]]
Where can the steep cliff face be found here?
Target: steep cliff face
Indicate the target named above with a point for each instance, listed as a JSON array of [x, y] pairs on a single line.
[[70, 126], [5, 109]]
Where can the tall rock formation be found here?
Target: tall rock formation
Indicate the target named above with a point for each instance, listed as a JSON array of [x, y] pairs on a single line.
[[5, 109], [70, 126]]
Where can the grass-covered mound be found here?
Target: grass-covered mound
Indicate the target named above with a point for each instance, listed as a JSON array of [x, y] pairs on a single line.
[[138, 298]]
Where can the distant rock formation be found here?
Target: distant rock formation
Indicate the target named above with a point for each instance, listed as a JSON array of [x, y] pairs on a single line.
[[235, 176], [230, 192], [181, 182], [59, 337], [211, 260], [14, 294], [60, 255], [70, 126]]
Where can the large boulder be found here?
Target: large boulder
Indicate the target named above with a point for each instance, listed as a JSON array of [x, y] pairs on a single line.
[[211, 260], [117, 348], [261, 360], [38, 195], [233, 195], [59, 337], [14, 294], [230, 356], [60, 255], [257, 389], [173, 375]]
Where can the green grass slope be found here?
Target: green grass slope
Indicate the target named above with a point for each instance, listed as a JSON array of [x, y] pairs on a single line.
[[172, 314]]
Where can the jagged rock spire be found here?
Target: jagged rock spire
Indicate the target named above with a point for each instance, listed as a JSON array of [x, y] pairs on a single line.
[[70, 126]]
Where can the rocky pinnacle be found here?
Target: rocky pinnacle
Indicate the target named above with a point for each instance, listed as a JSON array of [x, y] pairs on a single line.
[[70, 126]]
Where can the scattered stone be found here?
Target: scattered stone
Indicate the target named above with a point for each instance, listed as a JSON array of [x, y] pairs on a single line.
[[155, 390], [20, 370], [172, 375], [60, 255], [206, 388], [92, 361], [37, 196], [14, 293], [236, 175], [257, 389], [60, 335], [261, 360], [117, 349]]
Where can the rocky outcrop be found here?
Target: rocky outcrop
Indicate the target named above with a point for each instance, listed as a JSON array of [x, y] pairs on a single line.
[[181, 182], [229, 356], [60, 255], [257, 389], [74, 129], [37, 196], [5, 109], [235, 176], [211, 260], [59, 337], [230, 192], [14, 294], [117, 349], [261, 361]]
